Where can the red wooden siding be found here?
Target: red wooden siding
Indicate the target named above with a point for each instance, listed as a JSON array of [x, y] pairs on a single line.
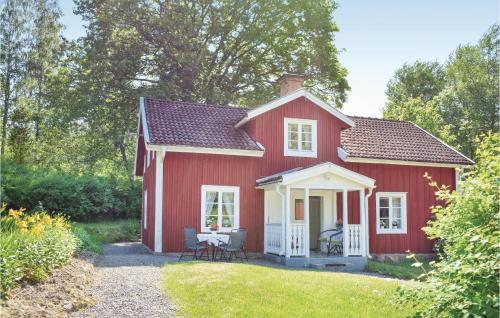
[[420, 197], [149, 184]]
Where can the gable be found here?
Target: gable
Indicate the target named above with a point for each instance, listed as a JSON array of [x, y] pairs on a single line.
[[288, 98]]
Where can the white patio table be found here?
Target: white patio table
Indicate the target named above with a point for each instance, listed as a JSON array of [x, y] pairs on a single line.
[[213, 239]]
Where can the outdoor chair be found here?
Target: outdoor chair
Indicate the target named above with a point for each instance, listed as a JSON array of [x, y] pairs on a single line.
[[334, 241], [234, 247], [193, 245]]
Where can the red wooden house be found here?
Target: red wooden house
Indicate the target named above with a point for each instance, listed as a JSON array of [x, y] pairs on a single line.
[[287, 171]]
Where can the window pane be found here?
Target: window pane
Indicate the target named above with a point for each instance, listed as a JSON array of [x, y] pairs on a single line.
[[293, 136], [396, 223], [293, 145], [396, 202], [384, 223], [396, 213], [227, 197], [307, 137], [306, 145], [228, 209], [384, 212], [293, 127], [211, 202], [384, 202], [227, 221], [306, 128], [210, 219]]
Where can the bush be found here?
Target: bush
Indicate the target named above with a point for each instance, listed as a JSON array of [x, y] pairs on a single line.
[[81, 197], [464, 283], [31, 246], [93, 234]]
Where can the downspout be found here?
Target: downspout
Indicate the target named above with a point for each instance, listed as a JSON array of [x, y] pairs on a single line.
[[283, 223], [367, 226]]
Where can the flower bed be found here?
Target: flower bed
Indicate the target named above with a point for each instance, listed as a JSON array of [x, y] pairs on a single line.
[[31, 246]]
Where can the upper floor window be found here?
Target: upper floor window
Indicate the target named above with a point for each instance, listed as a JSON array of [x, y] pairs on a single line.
[[220, 205], [391, 213], [300, 137]]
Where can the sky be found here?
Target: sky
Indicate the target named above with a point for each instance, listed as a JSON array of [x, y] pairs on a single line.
[[378, 37]]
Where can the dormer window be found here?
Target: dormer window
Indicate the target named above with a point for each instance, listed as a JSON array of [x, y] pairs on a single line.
[[300, 137]]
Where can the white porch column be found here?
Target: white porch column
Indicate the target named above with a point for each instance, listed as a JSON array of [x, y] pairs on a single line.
[[160, 155], [345, 221], [288, 248], [283, 223], [362, 222], [306, 220], [266, 217]]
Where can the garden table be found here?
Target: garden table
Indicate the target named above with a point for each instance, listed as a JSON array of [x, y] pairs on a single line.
[[213, 239]]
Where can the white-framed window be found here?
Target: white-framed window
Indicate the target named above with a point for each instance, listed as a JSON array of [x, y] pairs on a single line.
[[145, 159], [391, 212], [220, 205], [300, 137], [145, 209]]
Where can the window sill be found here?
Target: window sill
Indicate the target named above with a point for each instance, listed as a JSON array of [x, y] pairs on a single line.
[[382, 232], [306, 154]]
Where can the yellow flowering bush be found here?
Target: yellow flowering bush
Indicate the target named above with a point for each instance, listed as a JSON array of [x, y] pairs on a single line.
[[31, 246]]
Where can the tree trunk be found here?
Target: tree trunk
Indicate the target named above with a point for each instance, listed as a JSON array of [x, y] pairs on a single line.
[[6, 107], [125, 162]]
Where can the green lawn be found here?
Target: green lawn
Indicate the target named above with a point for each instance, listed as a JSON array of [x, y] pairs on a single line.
[[203, 289], [403, 269], [94, 234]]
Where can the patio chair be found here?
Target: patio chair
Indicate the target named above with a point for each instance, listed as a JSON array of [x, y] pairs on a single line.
[[234, 247], [192, 244], [334, 241]]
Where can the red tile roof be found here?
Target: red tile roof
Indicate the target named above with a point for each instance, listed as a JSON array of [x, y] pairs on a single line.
[[212, 126], [376, 138], [198, 125]]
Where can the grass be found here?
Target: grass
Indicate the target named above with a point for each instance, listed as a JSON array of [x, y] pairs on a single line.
[[94, 234], [245, 290], [402, 269]]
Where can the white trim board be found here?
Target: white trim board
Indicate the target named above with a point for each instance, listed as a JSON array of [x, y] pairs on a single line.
[[145, 129], [213, 151], [403, 162], [288, 98]]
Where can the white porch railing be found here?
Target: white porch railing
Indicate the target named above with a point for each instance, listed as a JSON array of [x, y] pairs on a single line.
[[354, 237], [297, 239], [273, 238]]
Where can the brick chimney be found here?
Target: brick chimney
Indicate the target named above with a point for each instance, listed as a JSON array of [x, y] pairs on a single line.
[[289, 83]]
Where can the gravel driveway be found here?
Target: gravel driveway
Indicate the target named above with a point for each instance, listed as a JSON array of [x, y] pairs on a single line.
[[128, 284]]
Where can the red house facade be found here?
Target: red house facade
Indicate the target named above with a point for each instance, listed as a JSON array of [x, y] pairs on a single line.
[[288, 171]]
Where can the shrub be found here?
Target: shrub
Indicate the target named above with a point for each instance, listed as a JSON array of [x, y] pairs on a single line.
[[464, 283], [31, 246], [81, 197]]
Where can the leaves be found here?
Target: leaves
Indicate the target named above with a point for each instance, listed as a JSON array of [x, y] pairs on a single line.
[[465, 280]]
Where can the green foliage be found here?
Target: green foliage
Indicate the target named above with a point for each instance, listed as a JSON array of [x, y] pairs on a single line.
[[93, 235], [81, 197], [402, 269], [31, 246], [456, 101], [465, 281]]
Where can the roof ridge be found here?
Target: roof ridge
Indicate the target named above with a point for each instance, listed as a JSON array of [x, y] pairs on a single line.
[[197, 103], [382, 119]]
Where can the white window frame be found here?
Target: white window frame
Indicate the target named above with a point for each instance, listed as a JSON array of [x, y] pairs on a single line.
[[404, 215], [220, 189], [145, 210], [313, 153]]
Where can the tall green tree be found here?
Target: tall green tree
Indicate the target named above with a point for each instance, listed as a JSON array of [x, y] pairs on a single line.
[[207, 51], [14, 40], [456, 101]]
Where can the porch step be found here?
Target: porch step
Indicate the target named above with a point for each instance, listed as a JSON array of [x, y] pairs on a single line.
[[332, 263]]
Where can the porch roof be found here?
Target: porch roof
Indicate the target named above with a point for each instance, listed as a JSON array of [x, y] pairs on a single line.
[[300, 173]]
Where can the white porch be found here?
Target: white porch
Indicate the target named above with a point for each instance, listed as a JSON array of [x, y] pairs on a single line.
[[301, 203]]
